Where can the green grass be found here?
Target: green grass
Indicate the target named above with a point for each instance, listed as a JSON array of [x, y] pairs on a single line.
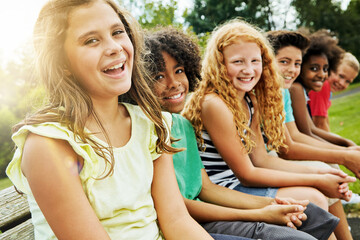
[[344, 117], [4, 183]]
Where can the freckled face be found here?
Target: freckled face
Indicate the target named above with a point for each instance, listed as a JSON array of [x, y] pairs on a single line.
[[99, 51], [172, 85], [289, 61], [344, 76], [314, 72], [243, 62]]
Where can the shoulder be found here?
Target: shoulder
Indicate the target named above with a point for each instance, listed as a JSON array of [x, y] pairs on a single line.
[[212, 102], [296, 90], [296, 87]]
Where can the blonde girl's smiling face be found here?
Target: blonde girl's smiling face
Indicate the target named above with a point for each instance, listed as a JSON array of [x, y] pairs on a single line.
[[341, 79], [243, 63], [289, 61], [99, 51]]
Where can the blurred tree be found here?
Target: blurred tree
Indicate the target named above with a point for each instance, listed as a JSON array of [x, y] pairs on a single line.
[[207, 14], [17, 92], [327, 14], [152, 13]]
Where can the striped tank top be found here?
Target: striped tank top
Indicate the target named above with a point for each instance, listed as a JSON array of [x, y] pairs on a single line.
[[217, 169]]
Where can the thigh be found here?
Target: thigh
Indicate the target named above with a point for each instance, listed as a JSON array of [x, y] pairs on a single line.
[[320, 223], [256, 230], [258, 191], [227, 237]]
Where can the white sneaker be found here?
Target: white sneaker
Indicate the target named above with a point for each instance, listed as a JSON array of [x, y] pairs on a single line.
[[355, 198]]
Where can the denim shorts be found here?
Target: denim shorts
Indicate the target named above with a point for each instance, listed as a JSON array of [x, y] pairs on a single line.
[[258, 191]]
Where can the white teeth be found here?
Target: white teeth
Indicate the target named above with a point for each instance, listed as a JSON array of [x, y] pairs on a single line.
[[175, 96], [288, 78], [245, 79], [120, 65]]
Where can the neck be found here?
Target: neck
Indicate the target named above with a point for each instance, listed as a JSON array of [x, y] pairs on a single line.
[[241, 95], [106, 110]]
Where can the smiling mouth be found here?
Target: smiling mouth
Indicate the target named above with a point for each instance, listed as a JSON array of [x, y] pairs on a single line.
[[245, 79], [177, 96], [115, 69]]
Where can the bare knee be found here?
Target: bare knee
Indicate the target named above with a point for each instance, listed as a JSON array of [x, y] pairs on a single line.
[[305, 193]]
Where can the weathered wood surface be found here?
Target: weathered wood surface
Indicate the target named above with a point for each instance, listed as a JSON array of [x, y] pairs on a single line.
[[15, 222]]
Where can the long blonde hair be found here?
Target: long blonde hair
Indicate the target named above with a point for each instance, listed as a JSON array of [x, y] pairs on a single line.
[[215, 80], [68, 102]]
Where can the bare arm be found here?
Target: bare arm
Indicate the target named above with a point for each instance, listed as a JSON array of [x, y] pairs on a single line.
[[300, 137], [301, 114], [223, 204], [316, 150], [218, 121], [174, 219], [50, 167], [304, 122], [321, 122], [331, 137]]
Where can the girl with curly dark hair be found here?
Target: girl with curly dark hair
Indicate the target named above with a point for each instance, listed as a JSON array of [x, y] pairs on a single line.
[[322, 56]]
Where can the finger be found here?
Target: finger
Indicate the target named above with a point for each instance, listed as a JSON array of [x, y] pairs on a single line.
[[350, 179], [290, 224], [348, 195], [293, 209], [302, 217], [340, 173], [282, 201], [296, 221]]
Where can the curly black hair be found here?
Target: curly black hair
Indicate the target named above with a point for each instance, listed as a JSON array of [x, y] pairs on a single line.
[[323, 42], [284, 38], [177, 44]]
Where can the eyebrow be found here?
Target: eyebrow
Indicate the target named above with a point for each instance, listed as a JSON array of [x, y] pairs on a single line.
[[85, 35], [178, 65]]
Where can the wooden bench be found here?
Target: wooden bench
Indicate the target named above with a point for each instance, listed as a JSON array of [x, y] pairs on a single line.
[[15, 217]]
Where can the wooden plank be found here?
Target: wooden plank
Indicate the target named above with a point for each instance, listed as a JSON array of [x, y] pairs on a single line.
[[24, 231], [14, 208]]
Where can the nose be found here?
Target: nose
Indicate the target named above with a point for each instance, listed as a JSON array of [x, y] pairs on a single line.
[[171, 81], [247, 69], [112, 47], [291, 68], [322, 75]]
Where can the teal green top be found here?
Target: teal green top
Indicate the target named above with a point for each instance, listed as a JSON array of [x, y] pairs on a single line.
[[187, 163]]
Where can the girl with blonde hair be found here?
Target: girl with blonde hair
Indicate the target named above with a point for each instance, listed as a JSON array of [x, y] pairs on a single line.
[[239, 95], [91, 167]]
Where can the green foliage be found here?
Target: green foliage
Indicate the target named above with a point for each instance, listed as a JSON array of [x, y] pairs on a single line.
[[327, 14], [16, 92], [157, 14], [6, 121], [207, 14], [4, 183], [344, 117], [154, 13]]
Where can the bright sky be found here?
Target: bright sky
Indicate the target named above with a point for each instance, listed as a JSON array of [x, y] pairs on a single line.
[[17, 19]]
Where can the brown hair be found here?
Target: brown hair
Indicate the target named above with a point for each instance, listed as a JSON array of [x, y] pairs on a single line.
[[67, 102]]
